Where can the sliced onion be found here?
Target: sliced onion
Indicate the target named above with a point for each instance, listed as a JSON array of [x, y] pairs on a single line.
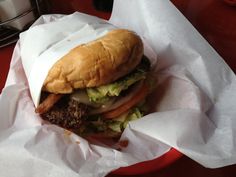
[[118, 102], [82, 97]]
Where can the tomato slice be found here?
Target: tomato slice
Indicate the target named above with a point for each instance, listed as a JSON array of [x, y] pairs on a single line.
[[138, 97]]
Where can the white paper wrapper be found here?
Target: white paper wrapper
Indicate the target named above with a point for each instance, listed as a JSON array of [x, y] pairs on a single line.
[[52, 40], [195, 103]]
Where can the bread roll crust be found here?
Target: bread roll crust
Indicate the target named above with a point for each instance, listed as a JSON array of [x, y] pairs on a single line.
[[96, 63]]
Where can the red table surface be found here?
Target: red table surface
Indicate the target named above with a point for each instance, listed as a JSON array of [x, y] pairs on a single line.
[[184, 166]]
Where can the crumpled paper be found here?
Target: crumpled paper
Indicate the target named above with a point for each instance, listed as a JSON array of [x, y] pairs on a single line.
[[52, 40], [194, 104], [204, 132]]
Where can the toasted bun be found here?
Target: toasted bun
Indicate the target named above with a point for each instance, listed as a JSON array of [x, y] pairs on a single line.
[[96, 63]]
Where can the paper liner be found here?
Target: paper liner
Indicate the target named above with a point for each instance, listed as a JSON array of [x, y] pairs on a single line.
[[47, 41], [194, 104]]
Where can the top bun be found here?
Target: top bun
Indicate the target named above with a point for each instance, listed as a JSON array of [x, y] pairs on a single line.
[[96, 63]]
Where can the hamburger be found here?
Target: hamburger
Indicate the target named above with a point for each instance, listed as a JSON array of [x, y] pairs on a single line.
[[98, 87]]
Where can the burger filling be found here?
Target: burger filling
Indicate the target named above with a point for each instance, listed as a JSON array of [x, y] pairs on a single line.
[[102, 109]]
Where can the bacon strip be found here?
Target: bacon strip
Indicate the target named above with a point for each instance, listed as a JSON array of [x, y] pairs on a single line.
[[48, 103]]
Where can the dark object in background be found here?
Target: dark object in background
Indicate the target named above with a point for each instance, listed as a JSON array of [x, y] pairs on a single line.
[[103, 5], [14, 24], [88, 7], [8, 35]]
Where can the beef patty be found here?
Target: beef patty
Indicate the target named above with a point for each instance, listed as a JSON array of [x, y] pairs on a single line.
[[66, 113]]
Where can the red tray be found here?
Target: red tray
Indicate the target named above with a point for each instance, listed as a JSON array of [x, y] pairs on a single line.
[[151, 165]]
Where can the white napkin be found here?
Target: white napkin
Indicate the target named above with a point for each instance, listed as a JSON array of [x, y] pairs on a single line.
[[199, 98]]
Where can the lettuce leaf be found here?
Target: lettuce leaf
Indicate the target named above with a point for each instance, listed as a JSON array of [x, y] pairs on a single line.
[[120, 123], [101, 94]]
